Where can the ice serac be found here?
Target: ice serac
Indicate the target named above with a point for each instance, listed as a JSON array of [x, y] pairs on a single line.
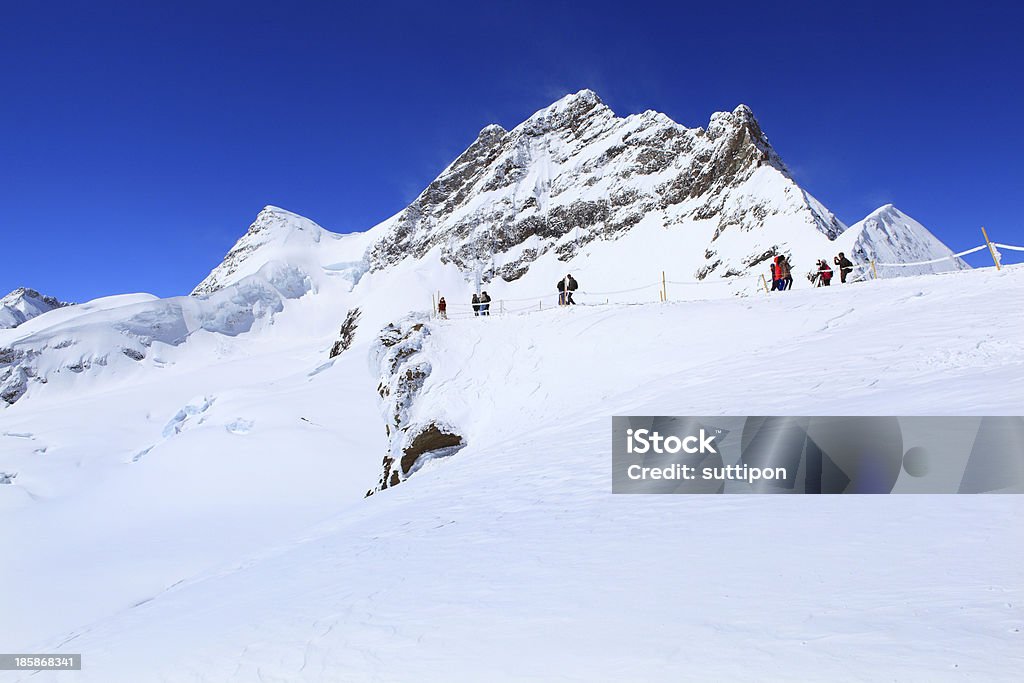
[[23, 304], [887, 235], [575, 173]]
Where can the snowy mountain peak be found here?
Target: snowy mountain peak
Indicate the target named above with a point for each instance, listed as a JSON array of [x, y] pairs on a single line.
[[491, 131], [275, 230], [585, 97], [886, 212], [23, 304], [574, 174], [570, 113], [887, 235]]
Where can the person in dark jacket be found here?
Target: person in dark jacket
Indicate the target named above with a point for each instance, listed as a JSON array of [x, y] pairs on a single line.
[[476, 305], [775, 276], [442, 308], [566, 286], [485, 303], [845, 266]]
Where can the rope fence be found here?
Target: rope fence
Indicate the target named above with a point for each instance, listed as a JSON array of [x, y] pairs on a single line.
[[937, 260]]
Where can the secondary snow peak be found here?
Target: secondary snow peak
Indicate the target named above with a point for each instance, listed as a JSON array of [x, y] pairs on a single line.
[[888, 235], [23, 304], [274, 233]]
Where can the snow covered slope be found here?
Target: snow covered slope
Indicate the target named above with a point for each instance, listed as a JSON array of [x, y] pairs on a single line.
[[187, 503], [24, 304], [204, 459]]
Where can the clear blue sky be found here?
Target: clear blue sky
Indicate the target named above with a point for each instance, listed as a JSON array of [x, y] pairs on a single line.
[[139, 139]]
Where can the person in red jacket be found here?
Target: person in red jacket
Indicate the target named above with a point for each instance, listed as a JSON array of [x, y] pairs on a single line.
[[784, 272], [442, 308], [824, 273]]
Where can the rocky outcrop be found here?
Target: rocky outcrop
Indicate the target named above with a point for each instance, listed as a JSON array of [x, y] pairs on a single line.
[[347, 333], [414, 435], [17, 369]]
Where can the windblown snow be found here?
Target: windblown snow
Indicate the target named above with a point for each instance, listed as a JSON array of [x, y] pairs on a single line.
[[183, 481]]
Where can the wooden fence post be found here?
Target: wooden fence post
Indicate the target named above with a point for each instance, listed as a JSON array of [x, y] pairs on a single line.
[[764, 282], [991, 249], [433, 306], [873, 271], [664, 289]]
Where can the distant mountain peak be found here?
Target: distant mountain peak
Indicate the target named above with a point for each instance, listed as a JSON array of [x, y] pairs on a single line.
[[586, 95], [888, 235], [885, 210], [23, 304], [272, 227]]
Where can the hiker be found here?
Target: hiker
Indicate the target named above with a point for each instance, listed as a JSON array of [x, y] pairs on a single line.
[[570, 286], [845, 266], [442, 309], [784, 272], [824, 273], [566, 286], [476, 305], [775, 277], [485, 304]]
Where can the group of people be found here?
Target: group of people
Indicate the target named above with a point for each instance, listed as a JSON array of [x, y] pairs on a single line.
[[566, 286], [822, 277], [481, 305], [782, 272], [481, 302]]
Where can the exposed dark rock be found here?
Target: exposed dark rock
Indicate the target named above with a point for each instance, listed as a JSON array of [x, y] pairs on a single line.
[[347, 333], [429, 440], [707, 269], [133, 353]]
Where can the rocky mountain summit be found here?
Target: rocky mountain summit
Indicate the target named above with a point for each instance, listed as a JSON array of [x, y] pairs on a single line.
[[575, 172]]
